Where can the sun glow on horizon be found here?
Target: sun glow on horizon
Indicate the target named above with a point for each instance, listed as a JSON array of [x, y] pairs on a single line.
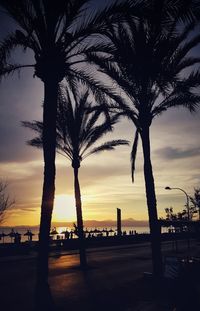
[[64, 208]]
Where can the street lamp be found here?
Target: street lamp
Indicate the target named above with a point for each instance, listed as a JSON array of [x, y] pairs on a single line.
[[187, 199]]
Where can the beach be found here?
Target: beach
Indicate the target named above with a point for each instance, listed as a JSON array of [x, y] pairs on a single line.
[[35, 231]]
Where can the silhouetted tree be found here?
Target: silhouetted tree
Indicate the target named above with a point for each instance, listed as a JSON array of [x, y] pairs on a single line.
[[169, 213], [5, 201], [195, 200], [78, 131], [149, 64], [183, 215]]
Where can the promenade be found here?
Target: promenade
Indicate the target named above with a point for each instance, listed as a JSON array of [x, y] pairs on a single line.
[[114, 280]]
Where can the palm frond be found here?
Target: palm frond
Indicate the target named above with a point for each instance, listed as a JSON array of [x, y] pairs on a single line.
[[87, 46], [188, 100], [29, 20], [37, 127], [113, 11], [190, 81], [134, 153], [96, 86], [20, 11], [92, 120], [101, 47], [110, 145], [187, 62], [183, 50], [74, 84], [185, 11], [8, 44], [10, 69], [66, 126], [98, 132], [35, 142]]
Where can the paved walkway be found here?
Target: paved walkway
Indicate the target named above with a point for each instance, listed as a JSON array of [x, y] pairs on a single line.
[[113, 282]]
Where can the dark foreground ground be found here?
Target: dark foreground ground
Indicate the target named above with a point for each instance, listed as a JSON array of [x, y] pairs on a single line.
[[115, 281]]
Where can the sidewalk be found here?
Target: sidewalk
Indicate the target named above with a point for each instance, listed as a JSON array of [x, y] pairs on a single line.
[[114, 281]]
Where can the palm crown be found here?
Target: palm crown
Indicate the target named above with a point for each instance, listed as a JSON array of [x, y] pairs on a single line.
[[78, 129], [150, 67], [49, 29], [148, 64], [56, 32]]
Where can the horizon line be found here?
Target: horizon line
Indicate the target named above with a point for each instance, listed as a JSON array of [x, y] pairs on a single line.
[[125, 222]]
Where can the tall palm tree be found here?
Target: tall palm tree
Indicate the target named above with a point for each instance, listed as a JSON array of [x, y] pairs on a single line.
[[42, 26], [152, 66], [56, 32], [78, 131]]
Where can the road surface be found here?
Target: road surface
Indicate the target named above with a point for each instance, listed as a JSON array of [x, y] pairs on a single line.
[[112, 282]]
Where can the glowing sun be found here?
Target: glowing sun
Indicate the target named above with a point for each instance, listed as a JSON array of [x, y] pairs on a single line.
[[64, 208]]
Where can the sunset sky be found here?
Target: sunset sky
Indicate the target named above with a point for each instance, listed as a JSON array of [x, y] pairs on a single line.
[[105, 178]]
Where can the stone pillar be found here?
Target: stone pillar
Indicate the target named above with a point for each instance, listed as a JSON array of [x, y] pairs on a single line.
[[119, 225]]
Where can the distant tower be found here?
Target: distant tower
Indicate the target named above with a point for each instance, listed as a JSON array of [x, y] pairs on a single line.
[[119, 224]]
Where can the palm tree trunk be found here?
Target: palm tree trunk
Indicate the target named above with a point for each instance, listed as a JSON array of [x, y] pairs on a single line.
[[151, 204], [82, 252], [49, 150]]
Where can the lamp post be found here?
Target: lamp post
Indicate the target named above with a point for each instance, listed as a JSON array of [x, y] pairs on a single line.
[[188, 211], [187, 199]]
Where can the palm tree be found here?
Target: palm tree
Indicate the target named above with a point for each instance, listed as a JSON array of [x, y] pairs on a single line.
[[151, 65], [78, 131]]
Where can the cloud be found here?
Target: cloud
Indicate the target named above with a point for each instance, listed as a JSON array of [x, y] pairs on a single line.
[[16, 151], [28, 209], [170, 153], [21, 99]]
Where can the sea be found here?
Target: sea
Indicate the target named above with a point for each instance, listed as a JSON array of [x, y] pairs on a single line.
[[60, 235]]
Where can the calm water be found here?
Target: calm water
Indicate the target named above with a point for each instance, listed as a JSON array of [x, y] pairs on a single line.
[[35, 231]]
